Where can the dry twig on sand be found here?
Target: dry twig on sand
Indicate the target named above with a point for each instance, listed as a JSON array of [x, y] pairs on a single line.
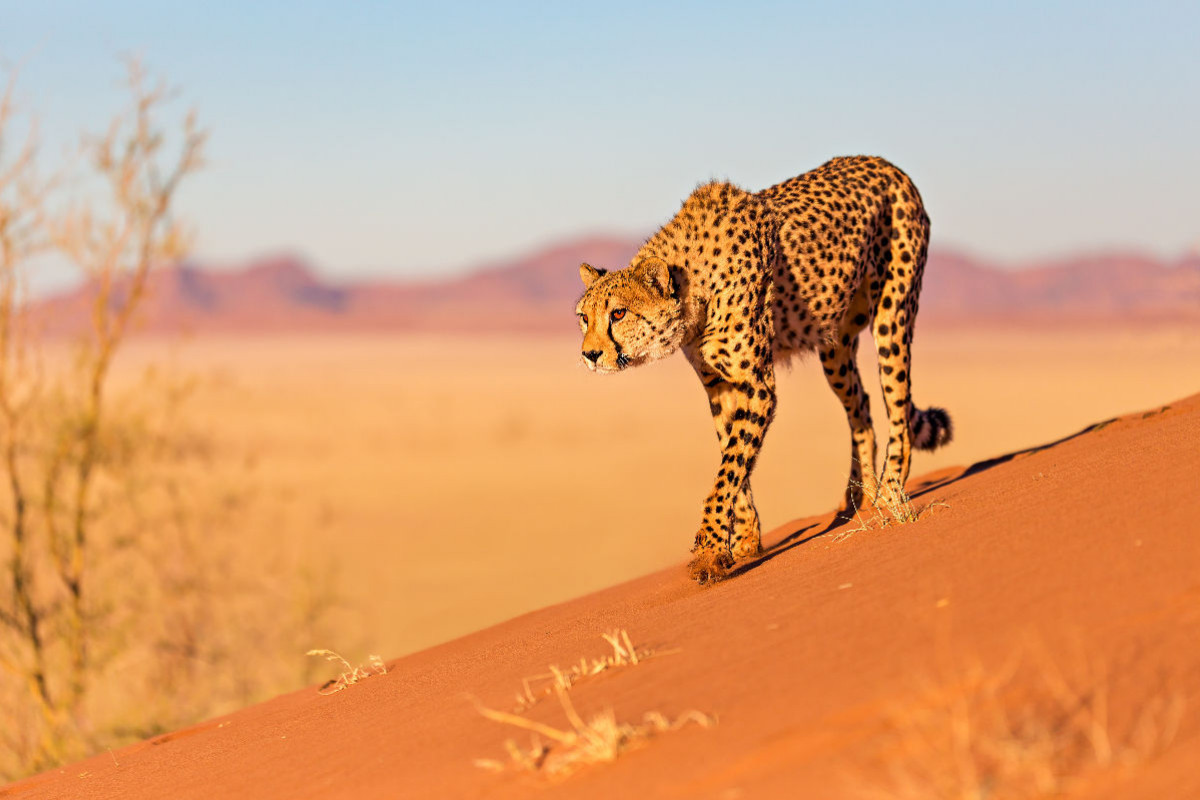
[[599, 739], [891, 506], [538, 687], [351, 674]]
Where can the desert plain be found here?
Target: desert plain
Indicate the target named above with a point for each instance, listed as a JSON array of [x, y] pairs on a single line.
[[446, 483]]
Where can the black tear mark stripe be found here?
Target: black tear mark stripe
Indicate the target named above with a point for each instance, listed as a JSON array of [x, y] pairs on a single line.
[[613, 339]]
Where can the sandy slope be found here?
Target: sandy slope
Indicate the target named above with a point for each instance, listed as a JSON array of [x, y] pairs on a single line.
[[1084, 554]]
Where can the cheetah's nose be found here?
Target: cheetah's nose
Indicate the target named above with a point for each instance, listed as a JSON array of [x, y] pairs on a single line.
[[591, 355]]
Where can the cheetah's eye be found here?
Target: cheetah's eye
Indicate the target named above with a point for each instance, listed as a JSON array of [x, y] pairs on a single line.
[[583, 318], [618, 314]]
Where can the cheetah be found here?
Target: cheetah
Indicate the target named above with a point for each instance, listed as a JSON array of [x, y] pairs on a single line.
[[742, 282]]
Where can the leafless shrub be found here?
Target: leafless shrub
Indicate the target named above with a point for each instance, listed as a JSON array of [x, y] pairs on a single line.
[[115, 572]]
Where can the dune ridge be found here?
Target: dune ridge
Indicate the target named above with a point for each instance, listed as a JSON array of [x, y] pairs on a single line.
[[1081, 551]]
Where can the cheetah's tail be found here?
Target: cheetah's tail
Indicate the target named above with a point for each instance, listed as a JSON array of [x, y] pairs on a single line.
[[930, 427]]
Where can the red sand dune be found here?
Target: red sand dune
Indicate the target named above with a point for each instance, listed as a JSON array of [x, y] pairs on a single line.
[[1085, 550], [536, 293]]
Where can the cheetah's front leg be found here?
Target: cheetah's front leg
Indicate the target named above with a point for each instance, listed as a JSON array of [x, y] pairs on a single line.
[[742, 411]]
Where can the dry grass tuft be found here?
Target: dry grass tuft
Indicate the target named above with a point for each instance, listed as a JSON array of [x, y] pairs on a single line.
[[597, 740], [892, 506], [538, 687], [351, 674], [1023, 732]]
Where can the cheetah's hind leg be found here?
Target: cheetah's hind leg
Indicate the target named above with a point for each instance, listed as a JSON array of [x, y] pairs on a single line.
[[839, 360]]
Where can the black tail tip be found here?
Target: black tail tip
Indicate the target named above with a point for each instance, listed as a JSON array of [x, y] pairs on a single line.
[[931, 429]]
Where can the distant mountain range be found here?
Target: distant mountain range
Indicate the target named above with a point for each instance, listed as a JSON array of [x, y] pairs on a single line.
[[537, 293]]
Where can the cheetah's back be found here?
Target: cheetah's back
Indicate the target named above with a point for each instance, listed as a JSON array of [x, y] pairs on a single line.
[[836, 226]]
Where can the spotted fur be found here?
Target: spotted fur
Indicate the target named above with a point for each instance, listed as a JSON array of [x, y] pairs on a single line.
[[741, 282]]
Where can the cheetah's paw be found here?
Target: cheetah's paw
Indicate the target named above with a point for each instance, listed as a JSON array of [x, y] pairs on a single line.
[[710, 566]]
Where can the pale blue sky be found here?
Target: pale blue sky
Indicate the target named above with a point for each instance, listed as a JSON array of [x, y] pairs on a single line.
[[407, 138]]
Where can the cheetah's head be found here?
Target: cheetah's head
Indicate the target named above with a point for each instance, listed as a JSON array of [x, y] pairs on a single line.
[[628, 317]]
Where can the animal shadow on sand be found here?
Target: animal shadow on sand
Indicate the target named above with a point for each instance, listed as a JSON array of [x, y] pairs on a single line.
[[806, 534], [986, 464], [803, 535]]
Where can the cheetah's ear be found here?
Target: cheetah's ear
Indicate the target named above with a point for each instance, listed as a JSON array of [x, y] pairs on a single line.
[[590, 274], [657, 274]]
